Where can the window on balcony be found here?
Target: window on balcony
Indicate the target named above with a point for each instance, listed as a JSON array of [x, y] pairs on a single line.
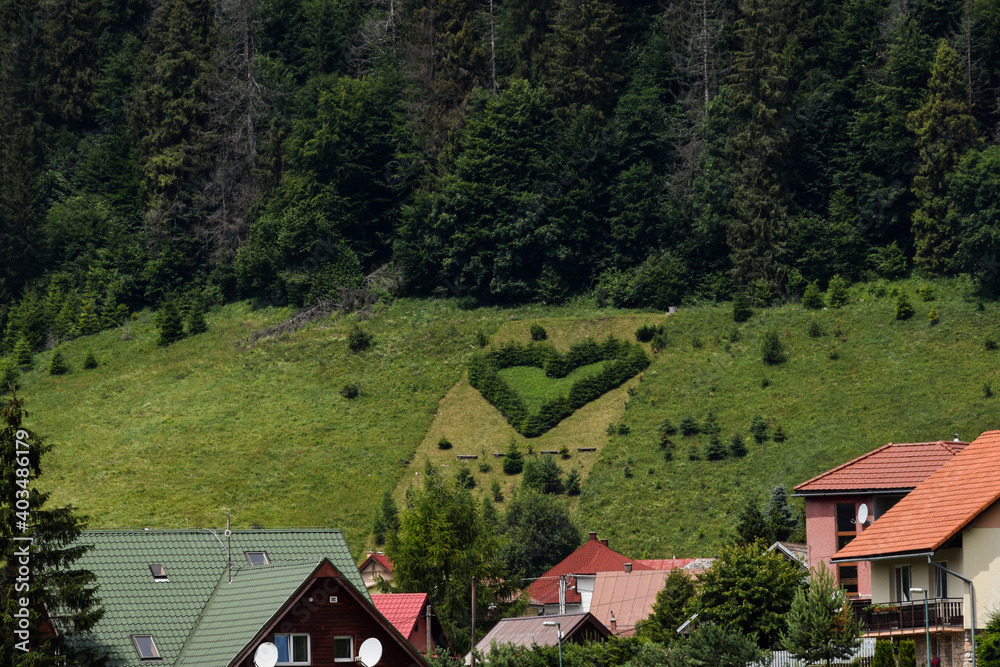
[[902, 583], [845, 524], [940, 580], [848, 576]]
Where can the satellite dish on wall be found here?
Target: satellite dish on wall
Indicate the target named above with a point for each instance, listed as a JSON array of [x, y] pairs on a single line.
[[266, 655], [863, 513], [370, 652]]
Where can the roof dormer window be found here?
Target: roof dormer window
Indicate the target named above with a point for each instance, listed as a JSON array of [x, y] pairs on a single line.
[[159, 573], [256, 557], [146, 647]]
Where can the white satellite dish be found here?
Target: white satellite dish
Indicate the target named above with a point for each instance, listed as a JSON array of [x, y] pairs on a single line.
[[266, 655], [370, 652], [863, 513]]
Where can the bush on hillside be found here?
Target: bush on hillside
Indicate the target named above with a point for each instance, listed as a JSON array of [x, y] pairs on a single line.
[[444, 443], [737, 447], [836, 292], [168, 319], [351, 390], [10, 375], [358, 340], [90, 361], [58, 365], [464, 479], [771, 350], [812, 298], [23, 354], [538, 332], [904, 310], [715, 450], [742, 311], [573, 482], [513, 463], [689, 426], [759, 429]]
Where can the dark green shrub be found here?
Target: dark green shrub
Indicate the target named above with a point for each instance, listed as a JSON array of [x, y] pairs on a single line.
[[987, 390], [883, 654], [715, 450], [496, 491], [196, 318], [925, 292], [538, 332], [737, 447], [90, 361], [904, 310], [742, 311], [464, 479], [444, 443], [771, 350], [573, 482], [834, 354], [668, 453], [10, 375], [543, 475], [711, 425], [564, 452], [623, 428], [23, 354], [645, 333], [170, 323], [689, 426], [933, 316], [481, 339], [990, 344], [693, 453], [628, 473], [351, 390], [485, 467], [812, 298], [58, 365], [779, 434], [513, 463], [667, 428], [765, 382], [759, 429], [815, 330], [907, 654], [836, 292], [358, 340]]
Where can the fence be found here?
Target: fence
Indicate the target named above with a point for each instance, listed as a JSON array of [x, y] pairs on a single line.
[[864, 656]]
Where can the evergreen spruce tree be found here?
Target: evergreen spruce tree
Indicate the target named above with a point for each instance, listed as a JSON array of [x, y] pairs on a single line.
[[89, 322], [904, 310], [742, 311], [812, 298], [821, 624], [58, 365], [90, 361], [386, 521], [513, 462], [65, 324], [715, 450], [907, 653], [58, 588], [883, 654], [771, 349], [737, 447], [23, 354], [170, 323], [10, 375], [573, 482], [751, 524], [759, 429], [836, 294], [782, 521], [196, 318], [945, 130]]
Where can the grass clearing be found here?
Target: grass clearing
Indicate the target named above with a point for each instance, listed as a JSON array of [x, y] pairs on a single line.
[[535, 388]]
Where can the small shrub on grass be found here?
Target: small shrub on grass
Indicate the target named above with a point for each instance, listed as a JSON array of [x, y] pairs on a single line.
[[737, 447], [496, 491], [987, 390], [10, 375], [779, 434], [696, 343], [836, 292], [925, 292], [771, 350], [538, 332], [564, 452], [660, 341], [196, 318], [464, 479], [444, 443], [834, 354], [358, 340], [759, 429], [628, 473], [667, 429], [990, 344], [715, 450], [765, 382], [351, 390], [812, 298], [58, 365], [23, 354], [481, 339], [815, 330], [932, 316], [647, 332], [693, 453], [90, 361], [513, 463], [573, 482], [734, 335], [689, 426], [668, 453], [623, 429], [904, 310], [485, 467], [168, 319], [742, 311], [711, 425]]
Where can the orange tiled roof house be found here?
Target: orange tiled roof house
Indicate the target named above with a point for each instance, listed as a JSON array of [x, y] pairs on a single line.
[[943, 538]]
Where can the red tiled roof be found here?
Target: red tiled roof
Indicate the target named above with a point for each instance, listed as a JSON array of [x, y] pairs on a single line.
[[379, 558], [628, 595], [401, 609], [665, 563], [593, 557], [528, 630], [939, 508], [901, 465]]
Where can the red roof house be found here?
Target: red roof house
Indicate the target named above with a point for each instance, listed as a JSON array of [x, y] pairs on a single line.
[[580, 569], [948, 525], [622, 599], [875, 482], [376, 566], [409, 613]]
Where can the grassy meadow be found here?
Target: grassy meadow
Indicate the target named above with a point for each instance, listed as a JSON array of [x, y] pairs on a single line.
[[177, 436]]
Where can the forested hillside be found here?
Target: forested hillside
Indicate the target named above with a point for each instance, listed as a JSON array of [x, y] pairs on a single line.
[[504, 151]]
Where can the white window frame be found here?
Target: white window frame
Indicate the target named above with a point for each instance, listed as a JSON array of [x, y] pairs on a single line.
[[152, 642], [941, 580], [349, 638], [267, 560], [291, 648], [902, 588]]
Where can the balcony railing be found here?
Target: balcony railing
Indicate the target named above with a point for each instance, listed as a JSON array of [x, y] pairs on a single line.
[[886, 617]]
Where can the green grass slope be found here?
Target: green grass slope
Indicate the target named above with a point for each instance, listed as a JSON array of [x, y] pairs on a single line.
[[177, 436], [868, 380]]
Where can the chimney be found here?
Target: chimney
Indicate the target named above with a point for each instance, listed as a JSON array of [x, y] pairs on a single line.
[[593, 536], [604, 541], [628, 567]]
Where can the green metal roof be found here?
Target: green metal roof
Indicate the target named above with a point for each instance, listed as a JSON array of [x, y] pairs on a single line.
[[195, 562], [237, 611]]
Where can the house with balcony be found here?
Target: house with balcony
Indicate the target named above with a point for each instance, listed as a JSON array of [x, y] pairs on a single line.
[[868, 485], [942, 541]]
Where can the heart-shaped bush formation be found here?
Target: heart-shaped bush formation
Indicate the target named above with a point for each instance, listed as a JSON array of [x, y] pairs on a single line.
[[625, 360]]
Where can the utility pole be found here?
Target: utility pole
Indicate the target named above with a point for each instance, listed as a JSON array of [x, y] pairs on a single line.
[[428, 626], [472, 652], [562, 593]]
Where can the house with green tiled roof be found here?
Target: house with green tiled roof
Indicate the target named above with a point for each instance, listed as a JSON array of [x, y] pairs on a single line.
[[205, 598]]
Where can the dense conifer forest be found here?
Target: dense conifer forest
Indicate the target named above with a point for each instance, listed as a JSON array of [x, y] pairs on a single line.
[[505, 151]]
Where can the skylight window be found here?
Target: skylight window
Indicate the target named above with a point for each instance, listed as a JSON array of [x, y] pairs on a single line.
[[256, 557], [159, 573], [146, 647]]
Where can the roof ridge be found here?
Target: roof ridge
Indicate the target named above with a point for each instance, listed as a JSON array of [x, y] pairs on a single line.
[[842, 465], [201, 616]]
